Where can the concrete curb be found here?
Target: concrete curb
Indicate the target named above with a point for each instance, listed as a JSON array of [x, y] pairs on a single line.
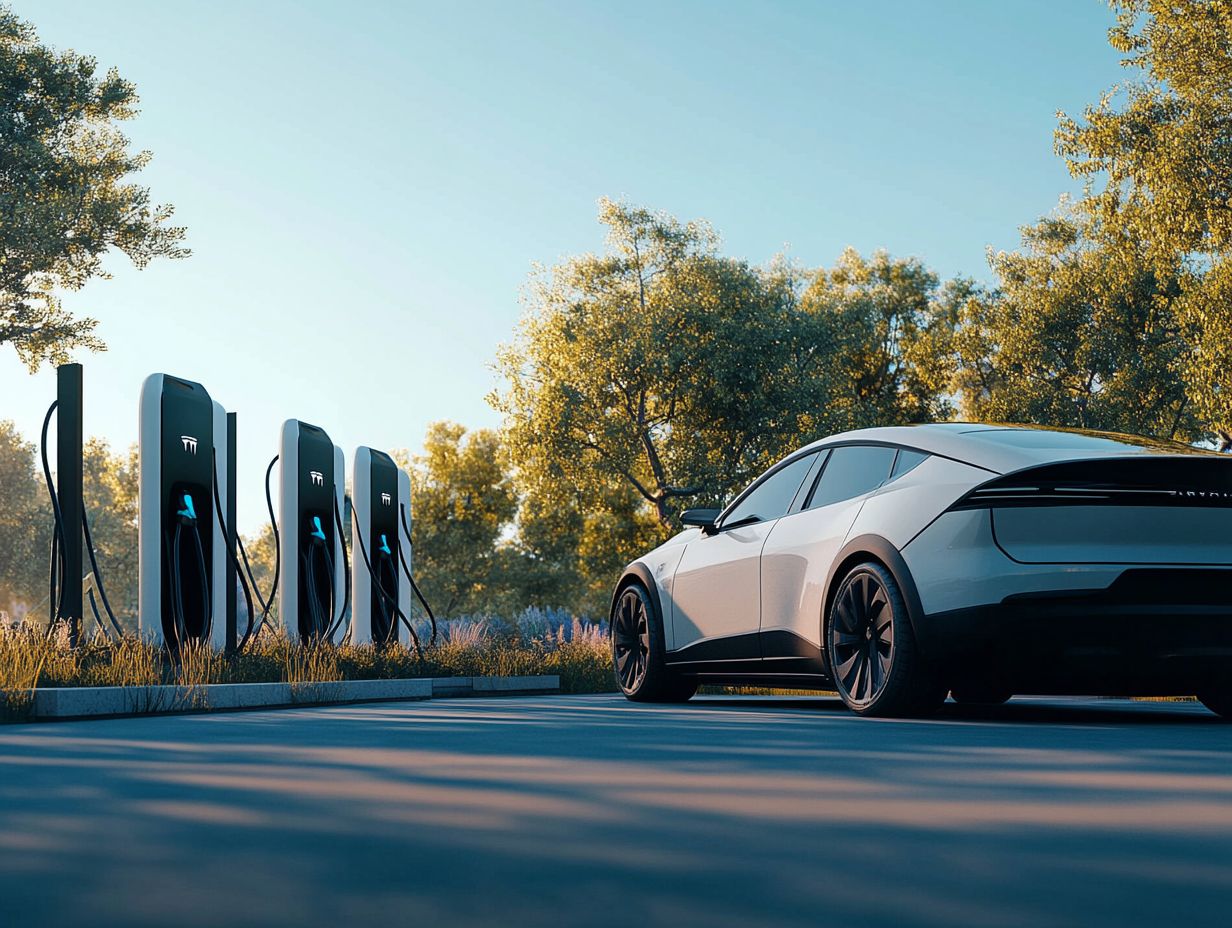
[[111, 701]]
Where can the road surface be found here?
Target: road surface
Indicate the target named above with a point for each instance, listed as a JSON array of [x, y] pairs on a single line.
[[560, 811]]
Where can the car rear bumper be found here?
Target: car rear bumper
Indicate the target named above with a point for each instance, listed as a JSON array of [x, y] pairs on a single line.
[[1066, 628], [1152, 631]]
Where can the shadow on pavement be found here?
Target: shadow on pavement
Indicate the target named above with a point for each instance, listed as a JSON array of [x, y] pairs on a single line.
[[596, 811]]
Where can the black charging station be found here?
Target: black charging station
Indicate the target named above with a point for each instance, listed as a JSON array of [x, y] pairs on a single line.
[[311, 597], [69, 482], [379, 492], [182, 548]]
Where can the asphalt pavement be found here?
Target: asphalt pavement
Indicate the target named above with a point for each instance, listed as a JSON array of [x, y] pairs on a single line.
[[559, 811]]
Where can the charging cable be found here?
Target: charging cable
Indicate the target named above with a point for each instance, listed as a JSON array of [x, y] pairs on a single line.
[[344, 615], [384, 596], [411, 577], [186, 519], [58, 581], [319, 619], [266, 604], [239, 570]]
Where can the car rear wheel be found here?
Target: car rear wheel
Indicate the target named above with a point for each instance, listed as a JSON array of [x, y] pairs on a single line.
[[875, 664], [638, 652]]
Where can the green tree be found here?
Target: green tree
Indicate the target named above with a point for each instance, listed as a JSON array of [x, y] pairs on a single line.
[[1156, 155], [1082, 331], [25, 528], [890, 312], [110, 494], [463, 504], [663, 367], [66, 194], [260, 550], [571, 542]]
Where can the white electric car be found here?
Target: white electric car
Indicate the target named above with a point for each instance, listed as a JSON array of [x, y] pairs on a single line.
[[898, 564]]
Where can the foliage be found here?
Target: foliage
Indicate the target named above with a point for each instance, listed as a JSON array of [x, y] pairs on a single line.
[[1082, 331], [890, 313], [109, 487], [571, 544], [1156, 155], [662, 367], [463, 501], [260, 551], [66, 197], [1158, 145], [25, 527]]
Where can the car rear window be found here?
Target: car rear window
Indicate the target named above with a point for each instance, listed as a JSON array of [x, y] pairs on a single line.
[[1046, 439], [907, 460]]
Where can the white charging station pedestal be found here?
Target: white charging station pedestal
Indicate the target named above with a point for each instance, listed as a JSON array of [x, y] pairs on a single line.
[[312, 580], [380, 493], [181, 431]]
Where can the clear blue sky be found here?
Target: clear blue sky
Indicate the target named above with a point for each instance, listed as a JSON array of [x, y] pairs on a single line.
[[366, 185]]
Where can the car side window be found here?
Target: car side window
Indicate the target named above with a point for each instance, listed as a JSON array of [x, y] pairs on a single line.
[[907, 460], [771, 497], [852, 471]]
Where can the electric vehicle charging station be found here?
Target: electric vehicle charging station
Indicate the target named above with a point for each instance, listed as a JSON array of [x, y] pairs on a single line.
[[312, 577], [380, 494], [181, 545]]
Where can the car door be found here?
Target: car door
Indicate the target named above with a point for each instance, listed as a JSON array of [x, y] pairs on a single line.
[[716, 592], [797, 554]]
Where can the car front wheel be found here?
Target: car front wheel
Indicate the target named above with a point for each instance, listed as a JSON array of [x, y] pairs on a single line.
[[638, 652], [874, 662]]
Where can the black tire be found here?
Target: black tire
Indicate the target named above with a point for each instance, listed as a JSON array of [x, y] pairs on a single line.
[[979, 694], [875, 665], [638, 653], [1218, 699]]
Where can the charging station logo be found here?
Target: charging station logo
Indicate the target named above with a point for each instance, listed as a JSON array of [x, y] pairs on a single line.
[[318, 478], [190, 443], [386, 500]]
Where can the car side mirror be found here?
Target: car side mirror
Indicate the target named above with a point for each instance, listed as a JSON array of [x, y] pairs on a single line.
[[703, 518]]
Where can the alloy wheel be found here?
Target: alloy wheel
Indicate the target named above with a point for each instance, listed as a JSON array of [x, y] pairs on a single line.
[[862, 638], [631, 640]]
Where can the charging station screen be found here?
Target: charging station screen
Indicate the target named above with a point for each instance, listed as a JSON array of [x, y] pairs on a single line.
[[316, 533], [187, 501], [382, 544]]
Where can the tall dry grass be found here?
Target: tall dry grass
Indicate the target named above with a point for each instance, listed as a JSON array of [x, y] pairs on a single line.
[[536, 642]]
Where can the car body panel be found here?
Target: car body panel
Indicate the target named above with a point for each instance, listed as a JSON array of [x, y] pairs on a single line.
[[660, 564], [794, 564], [956, 564], [716, 590], [902, 507]]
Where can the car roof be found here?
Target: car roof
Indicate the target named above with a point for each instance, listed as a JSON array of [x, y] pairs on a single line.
[[1003, 447]]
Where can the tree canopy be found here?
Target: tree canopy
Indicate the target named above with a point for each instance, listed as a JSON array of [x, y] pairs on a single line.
[[664, 366], [1082, 330], [462, 502], [886, 314], [66, 193], [1157, 155]]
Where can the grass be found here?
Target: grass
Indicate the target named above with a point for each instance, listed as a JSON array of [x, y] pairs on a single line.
[[537, 642]]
